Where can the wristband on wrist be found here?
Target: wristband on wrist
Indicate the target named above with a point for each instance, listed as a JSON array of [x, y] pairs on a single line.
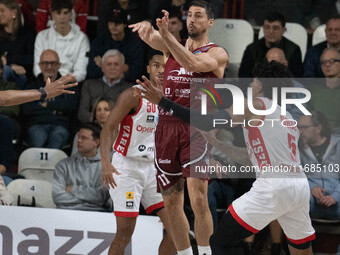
[[43, 94]]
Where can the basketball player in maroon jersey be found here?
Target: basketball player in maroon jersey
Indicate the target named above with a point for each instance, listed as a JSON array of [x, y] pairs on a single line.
[[197, 59], [282, 194]]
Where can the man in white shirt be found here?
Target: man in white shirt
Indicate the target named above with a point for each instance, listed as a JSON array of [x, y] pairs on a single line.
[[71, 44]]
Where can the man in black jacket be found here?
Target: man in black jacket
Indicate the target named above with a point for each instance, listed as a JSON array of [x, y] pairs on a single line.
[[49, 119], [273, 30]]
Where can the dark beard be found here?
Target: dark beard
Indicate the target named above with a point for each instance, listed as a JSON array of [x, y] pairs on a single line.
[[195, 35]]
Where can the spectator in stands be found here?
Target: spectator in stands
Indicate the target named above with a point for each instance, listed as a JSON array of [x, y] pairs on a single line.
[[320, 154], [5, 197], [77, 179], [273, 30], [111, 84], [16, 44], [312, 66], [71, 44], [79, 16], [277, 54], [27, 11], [49, 120], [135, 9], [175, 23], [8, 127], [325, 97], [118, 37], [101, 110]]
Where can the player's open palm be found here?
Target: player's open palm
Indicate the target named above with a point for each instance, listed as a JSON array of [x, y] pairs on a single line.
[[152, 92], [60, 86], [144, 30], [107, 175]]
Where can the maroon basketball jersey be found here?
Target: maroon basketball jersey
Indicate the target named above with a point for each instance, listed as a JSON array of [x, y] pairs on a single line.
[[176, 83]]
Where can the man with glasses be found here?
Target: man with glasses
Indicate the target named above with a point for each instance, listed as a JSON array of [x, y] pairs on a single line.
[[325, 97], [49, 119], [320, 154], [312, 65], [273, 30]]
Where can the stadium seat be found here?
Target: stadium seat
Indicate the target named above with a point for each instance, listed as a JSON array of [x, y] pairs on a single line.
[[234, 36], [34, 193], [39, 163], [297, 34], [319, 34]]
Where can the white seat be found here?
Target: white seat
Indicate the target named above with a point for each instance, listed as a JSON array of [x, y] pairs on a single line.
[[319, 34], [234, 35], [31, 190], [39, 163], [296, 33]]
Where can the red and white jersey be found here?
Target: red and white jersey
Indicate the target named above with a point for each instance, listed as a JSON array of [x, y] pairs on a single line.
[[136, 137], [274, 141]]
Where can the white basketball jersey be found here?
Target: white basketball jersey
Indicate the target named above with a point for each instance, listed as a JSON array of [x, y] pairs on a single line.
[[136, 132], [274, 141]]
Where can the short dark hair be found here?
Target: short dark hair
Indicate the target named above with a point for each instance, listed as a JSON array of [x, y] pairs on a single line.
[[206, 5], [94, 127], [271, 75], [318, 118], [57, 5], [275, 16], [337, 16], [175, 12], [152, 53]]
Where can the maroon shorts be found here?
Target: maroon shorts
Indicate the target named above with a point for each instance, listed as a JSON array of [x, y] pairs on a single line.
[[179, 149]]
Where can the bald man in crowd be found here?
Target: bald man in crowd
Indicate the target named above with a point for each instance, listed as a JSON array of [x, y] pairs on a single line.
[[312, 64], [326, 93], [49, 119]]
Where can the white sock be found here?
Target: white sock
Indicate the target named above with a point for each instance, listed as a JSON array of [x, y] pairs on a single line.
[[204, 250], [185, 252]]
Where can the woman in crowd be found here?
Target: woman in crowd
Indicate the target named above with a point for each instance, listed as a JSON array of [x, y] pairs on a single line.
[[16, 44]]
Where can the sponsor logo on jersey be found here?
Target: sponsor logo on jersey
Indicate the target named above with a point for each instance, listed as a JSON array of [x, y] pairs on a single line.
[[143, 129], [129, 195], [150, 119], [141, 147], [129, 204], [182, 93], [183, 76], [167, 91], [182, 71], [124, 138], [164, 161]]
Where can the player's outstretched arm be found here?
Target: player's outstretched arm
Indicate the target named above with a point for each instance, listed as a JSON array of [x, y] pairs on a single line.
[[149, 35], [236, 154], [126, 102], [215, 59], [155, 95], [52, 89]]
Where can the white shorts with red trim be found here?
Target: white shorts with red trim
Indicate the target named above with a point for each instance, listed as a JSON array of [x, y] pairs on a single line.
[[136, 184], [284, 197]]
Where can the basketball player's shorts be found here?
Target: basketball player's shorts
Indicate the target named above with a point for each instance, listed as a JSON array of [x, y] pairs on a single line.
[[179, 149], [282, 196], [136, 184]]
